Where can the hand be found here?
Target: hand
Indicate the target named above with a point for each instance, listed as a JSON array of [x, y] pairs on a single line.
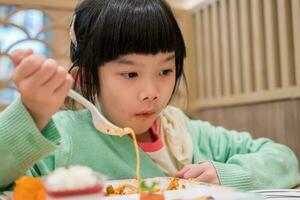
[[42, 83], [204, 172]]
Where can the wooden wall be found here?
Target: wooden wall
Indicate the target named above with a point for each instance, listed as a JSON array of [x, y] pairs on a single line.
[[278, 120], [243, 65]]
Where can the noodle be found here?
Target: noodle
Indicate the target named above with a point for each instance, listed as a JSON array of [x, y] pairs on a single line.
[[137, 153], [121, 189]]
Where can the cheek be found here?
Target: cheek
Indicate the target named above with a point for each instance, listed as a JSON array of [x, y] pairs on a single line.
[[115, 108], [112, 89], [167, 89], [115, 100]]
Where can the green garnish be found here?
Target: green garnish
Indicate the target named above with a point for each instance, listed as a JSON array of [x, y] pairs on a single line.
[[144, 187]]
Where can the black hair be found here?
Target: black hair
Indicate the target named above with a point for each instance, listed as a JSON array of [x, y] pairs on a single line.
[[108, 29]]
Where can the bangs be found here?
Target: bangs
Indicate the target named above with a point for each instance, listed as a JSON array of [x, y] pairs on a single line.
[[142, 27]]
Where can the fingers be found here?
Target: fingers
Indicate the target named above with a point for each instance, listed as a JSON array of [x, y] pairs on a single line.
[[183, 171], [28, 66], [45, 72], [204, 172], [39, 74], [194, 172], [56, 81], [65, 87], [18, 55], [204, 177], [42, 83]]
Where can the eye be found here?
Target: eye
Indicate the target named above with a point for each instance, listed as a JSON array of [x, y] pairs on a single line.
[[129, 74], [165, 72]]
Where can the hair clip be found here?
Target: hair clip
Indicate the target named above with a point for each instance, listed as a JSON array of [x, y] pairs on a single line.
[[72, 32]]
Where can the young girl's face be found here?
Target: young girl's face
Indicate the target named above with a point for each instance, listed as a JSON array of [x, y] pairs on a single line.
[[135, 88]]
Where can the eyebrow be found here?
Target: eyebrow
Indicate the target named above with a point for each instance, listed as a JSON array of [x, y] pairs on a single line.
[[130, 62]]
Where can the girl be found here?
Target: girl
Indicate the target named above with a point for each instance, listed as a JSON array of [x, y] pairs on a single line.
[[128, 55]]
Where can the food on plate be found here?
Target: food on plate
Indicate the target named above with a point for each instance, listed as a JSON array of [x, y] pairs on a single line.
[[150, 191], [29, 188], [158, 188], [147, 191], [122, 189], [153, 187], [173, 185], [133, 187], [77, 180]]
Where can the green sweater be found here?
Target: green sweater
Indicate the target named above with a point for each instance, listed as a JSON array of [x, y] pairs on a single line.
[[70, 139]]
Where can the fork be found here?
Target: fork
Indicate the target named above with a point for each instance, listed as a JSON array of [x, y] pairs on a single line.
[[99, 121]]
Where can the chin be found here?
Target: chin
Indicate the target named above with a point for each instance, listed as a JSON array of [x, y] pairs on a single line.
[[140, 127], [140, 130]]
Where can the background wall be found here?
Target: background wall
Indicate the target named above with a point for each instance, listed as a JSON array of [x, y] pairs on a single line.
[[243, 65], [278, 120]]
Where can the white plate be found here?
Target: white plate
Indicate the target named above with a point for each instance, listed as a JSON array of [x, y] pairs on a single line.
[[193, 190]]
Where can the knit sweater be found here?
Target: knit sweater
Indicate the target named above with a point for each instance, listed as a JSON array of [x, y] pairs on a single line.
[[71, 139]]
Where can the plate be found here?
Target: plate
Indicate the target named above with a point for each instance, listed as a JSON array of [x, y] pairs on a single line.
[[193, 190]]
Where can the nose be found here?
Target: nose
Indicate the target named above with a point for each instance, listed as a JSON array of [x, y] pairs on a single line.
[[148, 93]]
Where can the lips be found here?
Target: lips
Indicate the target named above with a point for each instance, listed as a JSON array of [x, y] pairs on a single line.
[[146, 113]]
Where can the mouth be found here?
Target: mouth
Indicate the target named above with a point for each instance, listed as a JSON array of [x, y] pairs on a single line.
[[145, 113]]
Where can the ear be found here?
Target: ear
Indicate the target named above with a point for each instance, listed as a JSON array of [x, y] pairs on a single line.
[[74, 72]]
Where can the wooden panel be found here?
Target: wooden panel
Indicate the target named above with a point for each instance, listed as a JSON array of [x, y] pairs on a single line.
[[276, 120], [186, 22], [296, 28], [258, 45], [2, 107], [200, 55], [208, 52], [286, 42], [62, 39], [235, 47], [54, 4], [3, 85], [190, 5], [246, 46], [291, 124], [216, 49], [272, 49], [225, 46], [260, 96]]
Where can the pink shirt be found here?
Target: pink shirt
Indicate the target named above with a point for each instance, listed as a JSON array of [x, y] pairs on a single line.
[[152, 146]]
